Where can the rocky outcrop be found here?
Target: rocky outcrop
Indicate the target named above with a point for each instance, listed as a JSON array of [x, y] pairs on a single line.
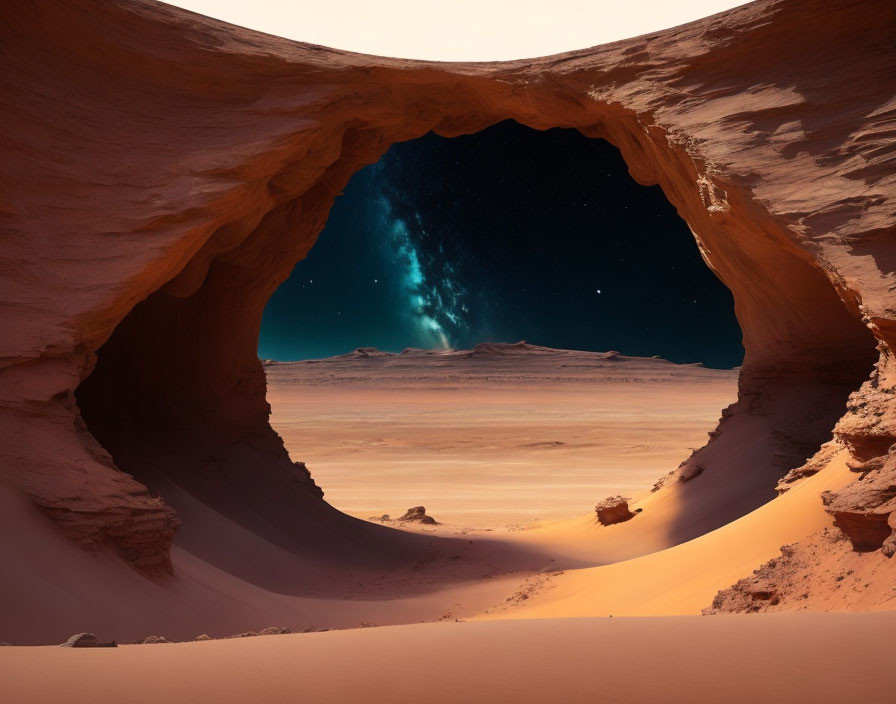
[[81, 640], [847, 566], [164, 172], [821, 573], [86, 640], [614, 509], [417, 514], [865, 509], [275, 631], [888, 548], [811, 467], [153, 640]]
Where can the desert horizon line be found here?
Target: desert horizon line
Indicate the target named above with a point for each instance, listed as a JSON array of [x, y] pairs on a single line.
[[372, 350]]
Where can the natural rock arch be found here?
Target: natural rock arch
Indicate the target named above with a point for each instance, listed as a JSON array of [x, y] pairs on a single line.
[[168, 171]]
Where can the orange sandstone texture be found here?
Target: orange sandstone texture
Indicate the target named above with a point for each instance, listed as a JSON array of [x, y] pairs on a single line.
[[163, 172]]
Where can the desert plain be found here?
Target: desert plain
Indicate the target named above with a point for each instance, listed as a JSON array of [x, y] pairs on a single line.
[[498, 436]]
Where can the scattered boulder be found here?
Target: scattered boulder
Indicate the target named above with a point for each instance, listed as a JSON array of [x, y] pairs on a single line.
[[81, 640], [203, 636], [614, 509], [418, 513]]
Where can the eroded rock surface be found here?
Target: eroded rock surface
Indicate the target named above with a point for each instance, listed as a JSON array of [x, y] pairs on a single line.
[[417, 514], [821, 573], [164, 172], [153, 640], [613, 509], [81, 640]]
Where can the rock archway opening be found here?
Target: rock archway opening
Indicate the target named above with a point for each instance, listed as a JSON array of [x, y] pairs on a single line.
[[447, 245], [508, 233], [177, 394]]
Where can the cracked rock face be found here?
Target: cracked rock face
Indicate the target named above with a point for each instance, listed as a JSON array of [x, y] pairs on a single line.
[[866, 509], [164, 172]]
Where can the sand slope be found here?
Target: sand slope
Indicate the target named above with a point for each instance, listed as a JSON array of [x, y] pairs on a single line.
[[679, 580], [792, 658]]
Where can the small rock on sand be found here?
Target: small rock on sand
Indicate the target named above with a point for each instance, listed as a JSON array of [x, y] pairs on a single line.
[[614, 510], [418, 513]]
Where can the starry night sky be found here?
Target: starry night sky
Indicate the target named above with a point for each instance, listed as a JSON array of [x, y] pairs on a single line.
[[504, 235]]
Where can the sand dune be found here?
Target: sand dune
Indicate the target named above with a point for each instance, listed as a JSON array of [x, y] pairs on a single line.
[[780, 658], [678, 580]]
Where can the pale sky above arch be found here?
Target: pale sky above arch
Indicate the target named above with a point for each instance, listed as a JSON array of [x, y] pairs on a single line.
[[457, 30]]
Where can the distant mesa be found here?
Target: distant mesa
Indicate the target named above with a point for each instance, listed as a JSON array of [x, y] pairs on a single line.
[[491, 356], [481, 350], [489, 348], [370, 352], [500, 349], [410, 351]]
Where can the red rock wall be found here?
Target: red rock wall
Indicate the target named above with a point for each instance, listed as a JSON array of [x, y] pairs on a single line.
[[163, 172]]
